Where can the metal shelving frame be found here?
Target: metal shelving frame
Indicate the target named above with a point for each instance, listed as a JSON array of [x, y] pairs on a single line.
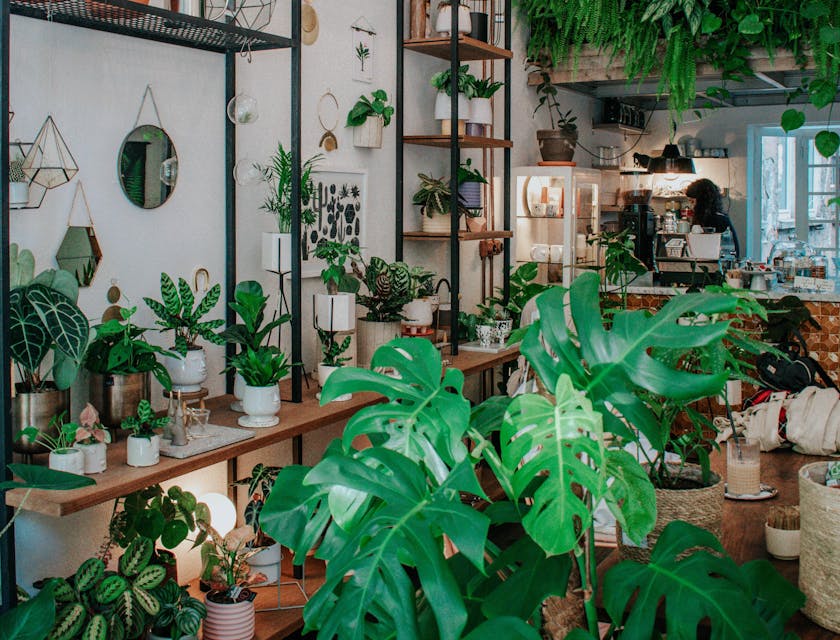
[[455, 145], [149, 23]]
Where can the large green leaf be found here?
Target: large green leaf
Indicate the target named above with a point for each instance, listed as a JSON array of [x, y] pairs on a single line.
[[630, 495], [508, 628], [543, 445], [29, 341], [37, 477], [30, 620], [704, 585], [67, 325]]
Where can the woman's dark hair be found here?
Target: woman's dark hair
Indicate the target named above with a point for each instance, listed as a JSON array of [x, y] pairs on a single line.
[[709, 201]]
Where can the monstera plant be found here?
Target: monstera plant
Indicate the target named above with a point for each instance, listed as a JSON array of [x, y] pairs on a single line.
[[382, 517]]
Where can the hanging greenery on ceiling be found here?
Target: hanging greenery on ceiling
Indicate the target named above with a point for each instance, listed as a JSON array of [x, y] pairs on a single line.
[[670, 38]]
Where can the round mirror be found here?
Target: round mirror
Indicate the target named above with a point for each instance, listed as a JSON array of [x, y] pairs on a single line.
[[148, 166]]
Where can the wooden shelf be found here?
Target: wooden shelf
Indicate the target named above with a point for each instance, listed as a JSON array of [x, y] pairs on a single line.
[[462, 235], [468, 49], [465, 142], [615, 127], [295, 419]]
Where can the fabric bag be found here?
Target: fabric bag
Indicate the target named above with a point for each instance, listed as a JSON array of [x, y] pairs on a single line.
[[792, 369]]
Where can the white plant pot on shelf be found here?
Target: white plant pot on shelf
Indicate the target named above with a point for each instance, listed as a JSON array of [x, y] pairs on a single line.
[[238, 392], [372, 335], [324, 372], [369, 134], [267, 562], [481, 111], [443, 107], [228, 620], [187, 372], [277, 252], [418, 313], [18, 195], [71, 460], [95, 456], [443, 24], [261, 405], [437, 223], [142, 452], [335, 312]]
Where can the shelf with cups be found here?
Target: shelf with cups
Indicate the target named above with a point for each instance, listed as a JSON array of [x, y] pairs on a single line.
[[464, 142], [469, 49]]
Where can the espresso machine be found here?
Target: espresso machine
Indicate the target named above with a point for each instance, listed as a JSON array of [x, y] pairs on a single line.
[[637, 214]]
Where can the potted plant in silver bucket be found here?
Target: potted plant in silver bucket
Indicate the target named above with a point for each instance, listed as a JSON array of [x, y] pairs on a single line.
[[557, 144], [43, 319], [267, 559], [368, 117], [120, 362], [277, 245], [179, 313]]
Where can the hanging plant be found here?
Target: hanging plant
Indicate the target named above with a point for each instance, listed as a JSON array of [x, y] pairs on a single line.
[[670, 38]]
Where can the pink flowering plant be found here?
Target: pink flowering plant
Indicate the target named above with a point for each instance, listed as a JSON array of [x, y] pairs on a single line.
[[90, 430], [225, 560]]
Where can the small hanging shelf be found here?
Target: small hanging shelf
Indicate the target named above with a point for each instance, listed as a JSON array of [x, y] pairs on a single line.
[[49, 161], [79, 252]]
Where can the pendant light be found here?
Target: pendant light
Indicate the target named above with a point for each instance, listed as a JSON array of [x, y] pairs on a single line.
[[49, 161], [671, 160]]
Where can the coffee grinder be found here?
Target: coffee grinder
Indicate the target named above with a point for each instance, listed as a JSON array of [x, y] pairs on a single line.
[[637, 214]]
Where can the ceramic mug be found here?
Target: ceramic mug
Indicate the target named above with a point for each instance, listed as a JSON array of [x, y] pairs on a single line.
[[683, 226], [555, 253], [540, 252]]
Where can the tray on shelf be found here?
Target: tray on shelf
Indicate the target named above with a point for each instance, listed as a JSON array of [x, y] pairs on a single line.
[[494, 347], [217, 437]]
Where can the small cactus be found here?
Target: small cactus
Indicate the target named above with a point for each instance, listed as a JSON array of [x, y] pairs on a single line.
[[16, 173]]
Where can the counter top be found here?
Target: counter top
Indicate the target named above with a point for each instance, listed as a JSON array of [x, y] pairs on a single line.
[[659, 290]]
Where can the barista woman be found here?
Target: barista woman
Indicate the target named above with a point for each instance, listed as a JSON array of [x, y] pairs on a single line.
[[708, 210]]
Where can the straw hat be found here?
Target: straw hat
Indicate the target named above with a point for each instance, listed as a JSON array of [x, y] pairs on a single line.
[[309, 24]]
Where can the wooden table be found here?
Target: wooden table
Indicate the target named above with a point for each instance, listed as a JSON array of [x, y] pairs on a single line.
[[743, 526]]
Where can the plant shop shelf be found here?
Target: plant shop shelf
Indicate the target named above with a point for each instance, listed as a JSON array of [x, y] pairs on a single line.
[[465, 142], [468, 49], [615, 127], [120, 479], [462, 235], [150, 23]]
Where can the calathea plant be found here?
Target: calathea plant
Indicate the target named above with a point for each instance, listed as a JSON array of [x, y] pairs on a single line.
[[180, 614], [389, 289], [144, 423]]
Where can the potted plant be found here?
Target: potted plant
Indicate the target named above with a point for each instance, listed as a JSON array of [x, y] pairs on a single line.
[[481, 106], [443, 24], [277, 246], [557, 144], [368, 117], [435, 199], [399, 500], [418, 314], [250, 304], [43, 319], [331, 357], [180, 615], [469, 185], [179, 313], [267, 559], [262, 368], [143, 446], [230, 604], [442, 81], [92, 438], [120, 362], [388, 290], [336, 310], [18, 184], [64, 455]]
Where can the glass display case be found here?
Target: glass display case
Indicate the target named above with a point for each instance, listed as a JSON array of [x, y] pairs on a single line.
[[556, 209]]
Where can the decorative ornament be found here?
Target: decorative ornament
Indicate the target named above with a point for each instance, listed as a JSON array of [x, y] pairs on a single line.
[[242, 109], [49, 161], [328, 141], [308, 23], [79, 252], [363, 42]]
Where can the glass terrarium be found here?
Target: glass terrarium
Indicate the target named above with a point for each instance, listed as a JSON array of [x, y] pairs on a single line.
[[791, 258], [636, 187]]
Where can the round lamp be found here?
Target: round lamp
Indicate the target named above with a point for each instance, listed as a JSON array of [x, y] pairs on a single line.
[[222, 512]]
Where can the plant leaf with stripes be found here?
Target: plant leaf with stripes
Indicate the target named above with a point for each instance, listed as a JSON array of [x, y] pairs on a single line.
[[67, 325]]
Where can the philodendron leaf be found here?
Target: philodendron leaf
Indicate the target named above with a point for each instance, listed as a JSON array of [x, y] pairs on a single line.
[[38, 477], [821, 93], [543, 445], [29, 341], [751, 24], [704, 585], [30, 620], [67, 325], [710, 23], [774, 598], [792, 119], [827, 143]]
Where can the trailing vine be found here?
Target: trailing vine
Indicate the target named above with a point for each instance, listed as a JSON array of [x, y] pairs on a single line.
[[670, 38]]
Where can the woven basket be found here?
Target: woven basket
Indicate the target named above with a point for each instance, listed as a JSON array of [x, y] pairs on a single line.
[[819, 555], [700, 507], [561, 615]]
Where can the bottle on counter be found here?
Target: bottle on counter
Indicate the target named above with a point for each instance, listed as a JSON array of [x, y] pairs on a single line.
[[818, 266]]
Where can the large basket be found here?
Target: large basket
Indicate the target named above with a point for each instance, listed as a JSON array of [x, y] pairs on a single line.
[[561, 615], [700, 507], [819, 556]]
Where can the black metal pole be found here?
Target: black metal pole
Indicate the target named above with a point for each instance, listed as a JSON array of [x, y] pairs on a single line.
[[230, 210], [7, 542], [398, 161], [297, 299], [454, 163], [506, 186]]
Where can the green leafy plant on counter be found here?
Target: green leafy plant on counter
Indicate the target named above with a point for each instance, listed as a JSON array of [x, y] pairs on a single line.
[[435, 197], [334, 275], [278, 175], [331, 349], [261, 367], [442, 81], [672, 39], [259, 483], [376, 106], [180, 614], [388, 286], [621, 266], [144, 422]]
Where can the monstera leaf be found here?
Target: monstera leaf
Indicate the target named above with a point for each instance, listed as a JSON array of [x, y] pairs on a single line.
[[612, 365], [746, 603]]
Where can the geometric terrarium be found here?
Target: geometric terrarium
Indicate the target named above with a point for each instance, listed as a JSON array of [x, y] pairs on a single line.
[[248, 14], [80, 254]]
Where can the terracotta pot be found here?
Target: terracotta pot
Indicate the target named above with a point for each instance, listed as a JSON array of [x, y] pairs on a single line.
[[555, 145], [228, 620], [36, 410], [187, 372], [372, 335], [117, 396], [71, 460], [476, 225]]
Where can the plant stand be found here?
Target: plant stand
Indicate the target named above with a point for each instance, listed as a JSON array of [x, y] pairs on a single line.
[[301, 586]]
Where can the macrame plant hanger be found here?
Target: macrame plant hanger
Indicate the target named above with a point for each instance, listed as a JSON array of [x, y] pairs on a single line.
[[79, 252]]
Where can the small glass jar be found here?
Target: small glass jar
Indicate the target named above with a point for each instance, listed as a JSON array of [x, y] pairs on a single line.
[[818, 267]]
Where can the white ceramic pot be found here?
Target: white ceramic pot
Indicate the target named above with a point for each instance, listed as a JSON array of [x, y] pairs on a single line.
[[142, 452], [782, 543], [733, 393], [324, 372], [71, 460], [18, 195], [481, 111], [96, 457], [418, 313], [437, 223], [267, 562], [261, 405], [369, 134], [485, 334], [443, 108], [187, 372], [443, 24], [372, 335], [335, 312], [228, 621], [277, 252], [238, 392]]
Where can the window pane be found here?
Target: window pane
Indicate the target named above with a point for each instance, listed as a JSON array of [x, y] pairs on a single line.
[[822, 235], [819, 209], [822, 179]]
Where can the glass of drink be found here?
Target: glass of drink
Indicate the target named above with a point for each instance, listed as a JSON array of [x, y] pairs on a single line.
[[743, 467], [199, 418]]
